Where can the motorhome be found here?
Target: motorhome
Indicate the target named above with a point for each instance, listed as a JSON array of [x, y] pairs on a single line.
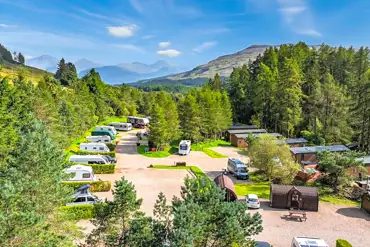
[[94, 147], [138, 122], [184, 147], [111, 128], [81, 173], [103, 133], [308, 242], [83, 196], [103, 139], [237, 168], [121, 126], [91, 159]]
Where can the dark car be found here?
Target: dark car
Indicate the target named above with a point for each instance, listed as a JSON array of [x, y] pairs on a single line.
[[111, 159]]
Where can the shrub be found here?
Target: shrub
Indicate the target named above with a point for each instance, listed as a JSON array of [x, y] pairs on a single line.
[[79, 212], [111, 146], [342, 243], [103, 168], [79, 152], [96, 186]]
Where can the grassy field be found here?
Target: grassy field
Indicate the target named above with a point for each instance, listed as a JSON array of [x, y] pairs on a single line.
[[31, 74], [196, 170], [205, 147], [157, 154], [213, 154], [262, 190]]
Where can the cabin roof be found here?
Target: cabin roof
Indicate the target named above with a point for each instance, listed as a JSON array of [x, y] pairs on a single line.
[[316, 149], [224, 182], [284, 189], [245, 131], [295, 140], [364, 159], [245, 135], [242, 127]]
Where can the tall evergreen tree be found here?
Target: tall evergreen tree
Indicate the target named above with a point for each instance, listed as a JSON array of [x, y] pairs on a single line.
[[158, 127], [190, 118]]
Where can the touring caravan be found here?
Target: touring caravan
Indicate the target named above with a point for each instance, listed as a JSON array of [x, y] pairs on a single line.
[[111, 128], [138, 122], [103, 133], [94, 147], [184, 147], [307, 242], [81, 173], [121, 126], [103, 139], [237, 168], [91, 159]]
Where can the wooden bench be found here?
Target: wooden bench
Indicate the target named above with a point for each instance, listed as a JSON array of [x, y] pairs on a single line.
[[299, 215]]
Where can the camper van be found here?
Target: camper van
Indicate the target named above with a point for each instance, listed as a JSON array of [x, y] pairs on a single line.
[[103, 133], [103, 139], [237, 168], [92, 159], [138, 122], [81, 173], [94, 147], [307, 242], [111, 128], [121, 126], [184, 147]]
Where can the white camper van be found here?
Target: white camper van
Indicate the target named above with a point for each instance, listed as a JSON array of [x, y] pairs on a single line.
[[121, 126], [81, 173], [184, 147], [91, 159], [111, 128], [103, 139], [307, 242], [94, 147]]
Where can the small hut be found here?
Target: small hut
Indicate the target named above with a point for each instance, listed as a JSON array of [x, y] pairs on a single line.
[[290, 196], [365, 202], [225, 183]]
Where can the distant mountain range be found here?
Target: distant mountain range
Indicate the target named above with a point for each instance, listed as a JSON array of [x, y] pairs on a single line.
[[111, 74]]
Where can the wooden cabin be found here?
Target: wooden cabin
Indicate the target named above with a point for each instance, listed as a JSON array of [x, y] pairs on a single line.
[[309, 154], [225, 183]]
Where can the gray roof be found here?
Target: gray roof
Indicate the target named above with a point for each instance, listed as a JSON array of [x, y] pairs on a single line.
[[316, 149], [242, 127], [245, 135], [295, 140], [365, 159], [247, 131]]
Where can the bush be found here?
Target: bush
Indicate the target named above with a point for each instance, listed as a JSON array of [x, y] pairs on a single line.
[[96, 186], [103, 168], [342, 243], [79, 152], [111, 146], [79, 212]]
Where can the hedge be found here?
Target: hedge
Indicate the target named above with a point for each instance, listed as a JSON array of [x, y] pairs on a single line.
[[111, 146], [79, 152], [103, 168], [96, 186], [342, 243], [79, 212]]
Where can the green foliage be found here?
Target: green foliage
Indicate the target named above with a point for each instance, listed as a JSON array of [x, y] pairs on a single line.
[[103, 168], [5, 54], [79, 212], [274, 159], [111, 146], [66, 73], [337, 166], [342, 243], [96, 186], [158, 129], [157, 154], [213, 154], [209, 144]]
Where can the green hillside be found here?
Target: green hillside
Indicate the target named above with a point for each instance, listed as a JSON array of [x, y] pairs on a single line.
[[13, 70]]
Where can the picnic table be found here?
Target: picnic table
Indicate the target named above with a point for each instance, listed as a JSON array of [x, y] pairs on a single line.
[[297, 214]]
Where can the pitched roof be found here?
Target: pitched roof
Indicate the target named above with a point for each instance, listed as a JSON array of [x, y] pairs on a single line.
[[242, 127], [316, 149], [245, 131], [224, 182], [284, 189], [364, 159], [295, 140]]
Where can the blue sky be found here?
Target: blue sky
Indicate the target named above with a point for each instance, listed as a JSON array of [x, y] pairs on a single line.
[[182, 32]]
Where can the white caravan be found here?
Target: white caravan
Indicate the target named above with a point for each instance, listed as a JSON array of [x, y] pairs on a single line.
[[103, 139], [90, 159], [94, 147], [111, 128], [184, 147], [308, 242], [121, 126], [81, 173]]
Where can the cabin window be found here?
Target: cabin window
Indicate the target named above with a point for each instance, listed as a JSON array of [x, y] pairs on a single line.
[[86, 175], [85, 148], [81, 199], [101, 148], [90, 199]]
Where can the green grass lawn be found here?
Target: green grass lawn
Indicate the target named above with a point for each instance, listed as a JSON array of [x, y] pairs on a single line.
[[213, 154], [196, 170], [338, 201], [209, 144], [262, 190], [157, 154]]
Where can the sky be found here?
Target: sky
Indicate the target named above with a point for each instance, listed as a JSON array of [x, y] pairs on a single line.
[[182, 32]]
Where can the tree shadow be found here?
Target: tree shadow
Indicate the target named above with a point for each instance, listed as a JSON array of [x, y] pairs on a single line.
[[354, 213]]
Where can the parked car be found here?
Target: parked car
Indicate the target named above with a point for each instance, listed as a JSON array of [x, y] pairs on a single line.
[[252, 201], [237, 168], [83, 196], [111, 159]]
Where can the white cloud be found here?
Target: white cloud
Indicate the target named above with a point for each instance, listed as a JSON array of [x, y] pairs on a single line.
[[169, 53], [204, 46], [310, 32], [130, 47], [136, 5], [164, 44], [147, 37], [122, 31], [3, 25], [28, 57], [293, 10]]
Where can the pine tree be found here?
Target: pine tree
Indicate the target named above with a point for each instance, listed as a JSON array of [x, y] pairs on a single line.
[[190, 118], [158, 127], [20, 58]]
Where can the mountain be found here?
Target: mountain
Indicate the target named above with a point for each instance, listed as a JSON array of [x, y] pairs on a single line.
[[84, 64], [44, 62], [131, 72]]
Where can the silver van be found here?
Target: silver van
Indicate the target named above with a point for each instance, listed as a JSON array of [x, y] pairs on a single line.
[[237, 168]]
